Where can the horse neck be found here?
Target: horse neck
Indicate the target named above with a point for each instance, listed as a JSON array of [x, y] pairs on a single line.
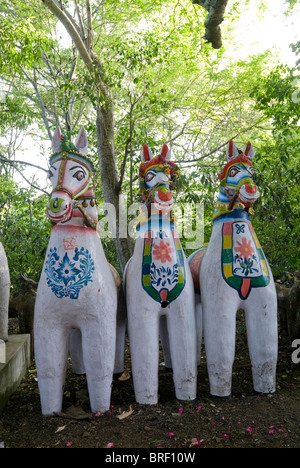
[[237, 214], [224, 206], [159, 223]]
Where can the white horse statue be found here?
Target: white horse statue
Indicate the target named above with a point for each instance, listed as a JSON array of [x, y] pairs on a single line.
[[234, 274], [76, 289], [159, 286], [4, 294]]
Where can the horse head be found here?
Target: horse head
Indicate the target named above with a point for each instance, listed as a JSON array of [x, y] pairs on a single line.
[[70, 174], [157, 179], [237, 176]]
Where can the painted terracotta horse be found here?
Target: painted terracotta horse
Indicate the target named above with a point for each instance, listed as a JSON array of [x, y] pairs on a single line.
[[159, 287], [4, 294], [76, 288], [234, 274]]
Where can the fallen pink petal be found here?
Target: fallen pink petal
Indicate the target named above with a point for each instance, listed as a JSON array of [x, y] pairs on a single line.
[[170, 435], [180, 410], [195, 442], [225, 436], [69, 444], [250, 430], [110, 445]]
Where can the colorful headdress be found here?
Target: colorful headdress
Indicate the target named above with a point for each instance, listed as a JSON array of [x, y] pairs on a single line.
[[162, 160], [235, 156], [62, 148]]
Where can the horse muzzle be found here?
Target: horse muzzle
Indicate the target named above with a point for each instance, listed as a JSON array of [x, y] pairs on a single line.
[[248, 194], [59, 208], [163, 200]]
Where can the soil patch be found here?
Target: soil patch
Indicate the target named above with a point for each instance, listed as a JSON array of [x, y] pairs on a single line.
[[245, 420]]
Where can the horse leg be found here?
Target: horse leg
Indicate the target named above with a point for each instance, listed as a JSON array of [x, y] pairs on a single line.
[[261, 323], [183, 346], [143, 331], [98, 347], [51, 352], [199, 326], [219, 335]]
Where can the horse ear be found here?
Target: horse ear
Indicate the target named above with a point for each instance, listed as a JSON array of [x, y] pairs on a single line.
[[81, 143], [232, 151], [56, 140], [147, 154], [249, 151], [165, 153]]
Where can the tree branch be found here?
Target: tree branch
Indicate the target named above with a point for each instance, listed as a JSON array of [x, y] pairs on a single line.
[[216, 10], [13, 164], [72, 28]]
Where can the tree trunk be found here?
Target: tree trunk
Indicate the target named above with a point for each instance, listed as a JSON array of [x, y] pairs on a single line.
[[110, 182], [216, 10], [82, 38]]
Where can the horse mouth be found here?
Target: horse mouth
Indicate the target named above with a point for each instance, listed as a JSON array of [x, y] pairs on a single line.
[[59, 210], [164, 206], [248, 197]]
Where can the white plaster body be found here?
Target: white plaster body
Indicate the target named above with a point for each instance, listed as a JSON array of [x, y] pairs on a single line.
[[144, 315], [93, 313], [195, 269], [149, 319], [221, 299], [76, 288], [220, 304], [76, 353], [4, 294]]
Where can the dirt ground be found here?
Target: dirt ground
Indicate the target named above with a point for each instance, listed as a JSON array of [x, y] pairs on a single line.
[[245, 420]]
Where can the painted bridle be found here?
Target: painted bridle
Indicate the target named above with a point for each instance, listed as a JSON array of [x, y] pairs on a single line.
[[159, 177], [70, 173], [236, 180]]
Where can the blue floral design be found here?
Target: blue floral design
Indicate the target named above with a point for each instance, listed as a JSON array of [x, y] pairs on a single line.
[[67, 277], [246, 265], [163, 277]]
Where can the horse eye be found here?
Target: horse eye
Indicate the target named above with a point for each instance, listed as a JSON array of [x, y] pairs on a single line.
[[149, 176], [79, 175], [233, 172]]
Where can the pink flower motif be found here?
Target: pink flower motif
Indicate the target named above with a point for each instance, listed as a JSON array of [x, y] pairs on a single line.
[[244, 249], [162, 252], [170, 435]]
